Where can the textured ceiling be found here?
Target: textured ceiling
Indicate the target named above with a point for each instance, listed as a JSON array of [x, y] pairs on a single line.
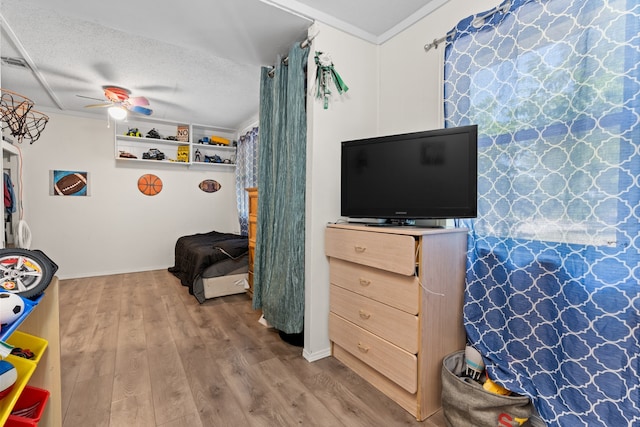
[[195, 61]]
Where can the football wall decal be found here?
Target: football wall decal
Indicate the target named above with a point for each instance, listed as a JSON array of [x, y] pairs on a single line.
[[70, 183], [210, 186]]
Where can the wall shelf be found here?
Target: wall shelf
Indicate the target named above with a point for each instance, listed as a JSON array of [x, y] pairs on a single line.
[[201, 155]]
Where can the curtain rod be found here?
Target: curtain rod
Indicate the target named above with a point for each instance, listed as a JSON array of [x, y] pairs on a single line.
[[304, 43], [477, 22], [434, 43]]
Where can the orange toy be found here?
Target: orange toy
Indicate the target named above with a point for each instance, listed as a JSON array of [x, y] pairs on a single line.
[[149, 184]]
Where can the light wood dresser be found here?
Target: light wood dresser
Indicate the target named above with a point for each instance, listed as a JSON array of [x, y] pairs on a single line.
[[253, 221], [396, 307]]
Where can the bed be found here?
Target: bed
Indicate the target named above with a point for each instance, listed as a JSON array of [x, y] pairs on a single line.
[[212, 264]]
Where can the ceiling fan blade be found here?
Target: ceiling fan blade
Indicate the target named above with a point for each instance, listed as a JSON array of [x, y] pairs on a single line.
[[116, 93], [119, 96], [138, 100], [140, 109], [106, 104], [90, 97], [117, 89]]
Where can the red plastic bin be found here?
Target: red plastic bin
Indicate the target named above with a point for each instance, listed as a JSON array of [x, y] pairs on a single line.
[[14, 421], [29, 407]]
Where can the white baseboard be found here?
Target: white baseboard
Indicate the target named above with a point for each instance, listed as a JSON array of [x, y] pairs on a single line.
[[316, 355]]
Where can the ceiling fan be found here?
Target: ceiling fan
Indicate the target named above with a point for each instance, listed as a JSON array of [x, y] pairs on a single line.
[[119, 102]]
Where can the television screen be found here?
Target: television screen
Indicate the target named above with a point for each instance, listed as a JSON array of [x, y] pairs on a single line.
[[421, 175]]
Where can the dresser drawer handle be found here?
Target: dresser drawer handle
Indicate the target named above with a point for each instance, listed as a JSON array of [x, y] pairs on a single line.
[[360, 249], [364, 315], [364, 282], [363, 348]]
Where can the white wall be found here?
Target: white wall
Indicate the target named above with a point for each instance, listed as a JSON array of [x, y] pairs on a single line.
[[350, 116], [411, 80], [116, 229], [393, 88]]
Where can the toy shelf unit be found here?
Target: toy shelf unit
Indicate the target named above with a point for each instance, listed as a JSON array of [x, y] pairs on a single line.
[[37, 330], [153, 140], [213, 146]]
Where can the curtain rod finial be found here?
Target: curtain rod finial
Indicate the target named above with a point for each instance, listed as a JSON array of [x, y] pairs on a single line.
[[433, 44]]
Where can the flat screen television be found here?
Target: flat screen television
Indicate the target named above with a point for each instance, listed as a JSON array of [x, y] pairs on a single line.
[[412, 176]]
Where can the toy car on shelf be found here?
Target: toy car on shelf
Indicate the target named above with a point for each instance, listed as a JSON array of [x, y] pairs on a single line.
[[127, 155], [218, 140], [134, 132], [153, 133], [153, 154]]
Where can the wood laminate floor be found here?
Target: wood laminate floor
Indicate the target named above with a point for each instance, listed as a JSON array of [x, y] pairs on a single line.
[[138, 350]]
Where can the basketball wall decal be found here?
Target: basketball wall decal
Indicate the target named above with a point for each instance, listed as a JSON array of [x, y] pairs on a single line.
[[210, 186], [149, 184]]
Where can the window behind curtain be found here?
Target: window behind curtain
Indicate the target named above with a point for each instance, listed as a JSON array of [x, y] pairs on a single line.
[[552, 285], [246, 175], [549, 100]]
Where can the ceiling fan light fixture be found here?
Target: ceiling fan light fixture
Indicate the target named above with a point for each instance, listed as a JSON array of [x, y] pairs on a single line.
[[117, 113]]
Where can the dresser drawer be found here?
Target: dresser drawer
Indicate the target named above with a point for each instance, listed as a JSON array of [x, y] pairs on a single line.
[[396, 326], [396, 290], [391, 252], [390, 360]]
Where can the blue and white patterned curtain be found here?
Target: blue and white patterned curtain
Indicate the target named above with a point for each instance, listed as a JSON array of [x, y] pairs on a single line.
[[246, 174], [552, 294]]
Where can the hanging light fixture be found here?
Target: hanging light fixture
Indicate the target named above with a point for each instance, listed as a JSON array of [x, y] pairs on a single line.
[[117, 113]]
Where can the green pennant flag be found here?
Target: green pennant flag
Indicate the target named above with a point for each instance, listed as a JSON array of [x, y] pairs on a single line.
[[326, 73]]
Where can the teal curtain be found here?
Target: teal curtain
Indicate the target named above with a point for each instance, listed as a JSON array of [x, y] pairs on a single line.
[[279, 257], [246, 175], [552, 297]]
